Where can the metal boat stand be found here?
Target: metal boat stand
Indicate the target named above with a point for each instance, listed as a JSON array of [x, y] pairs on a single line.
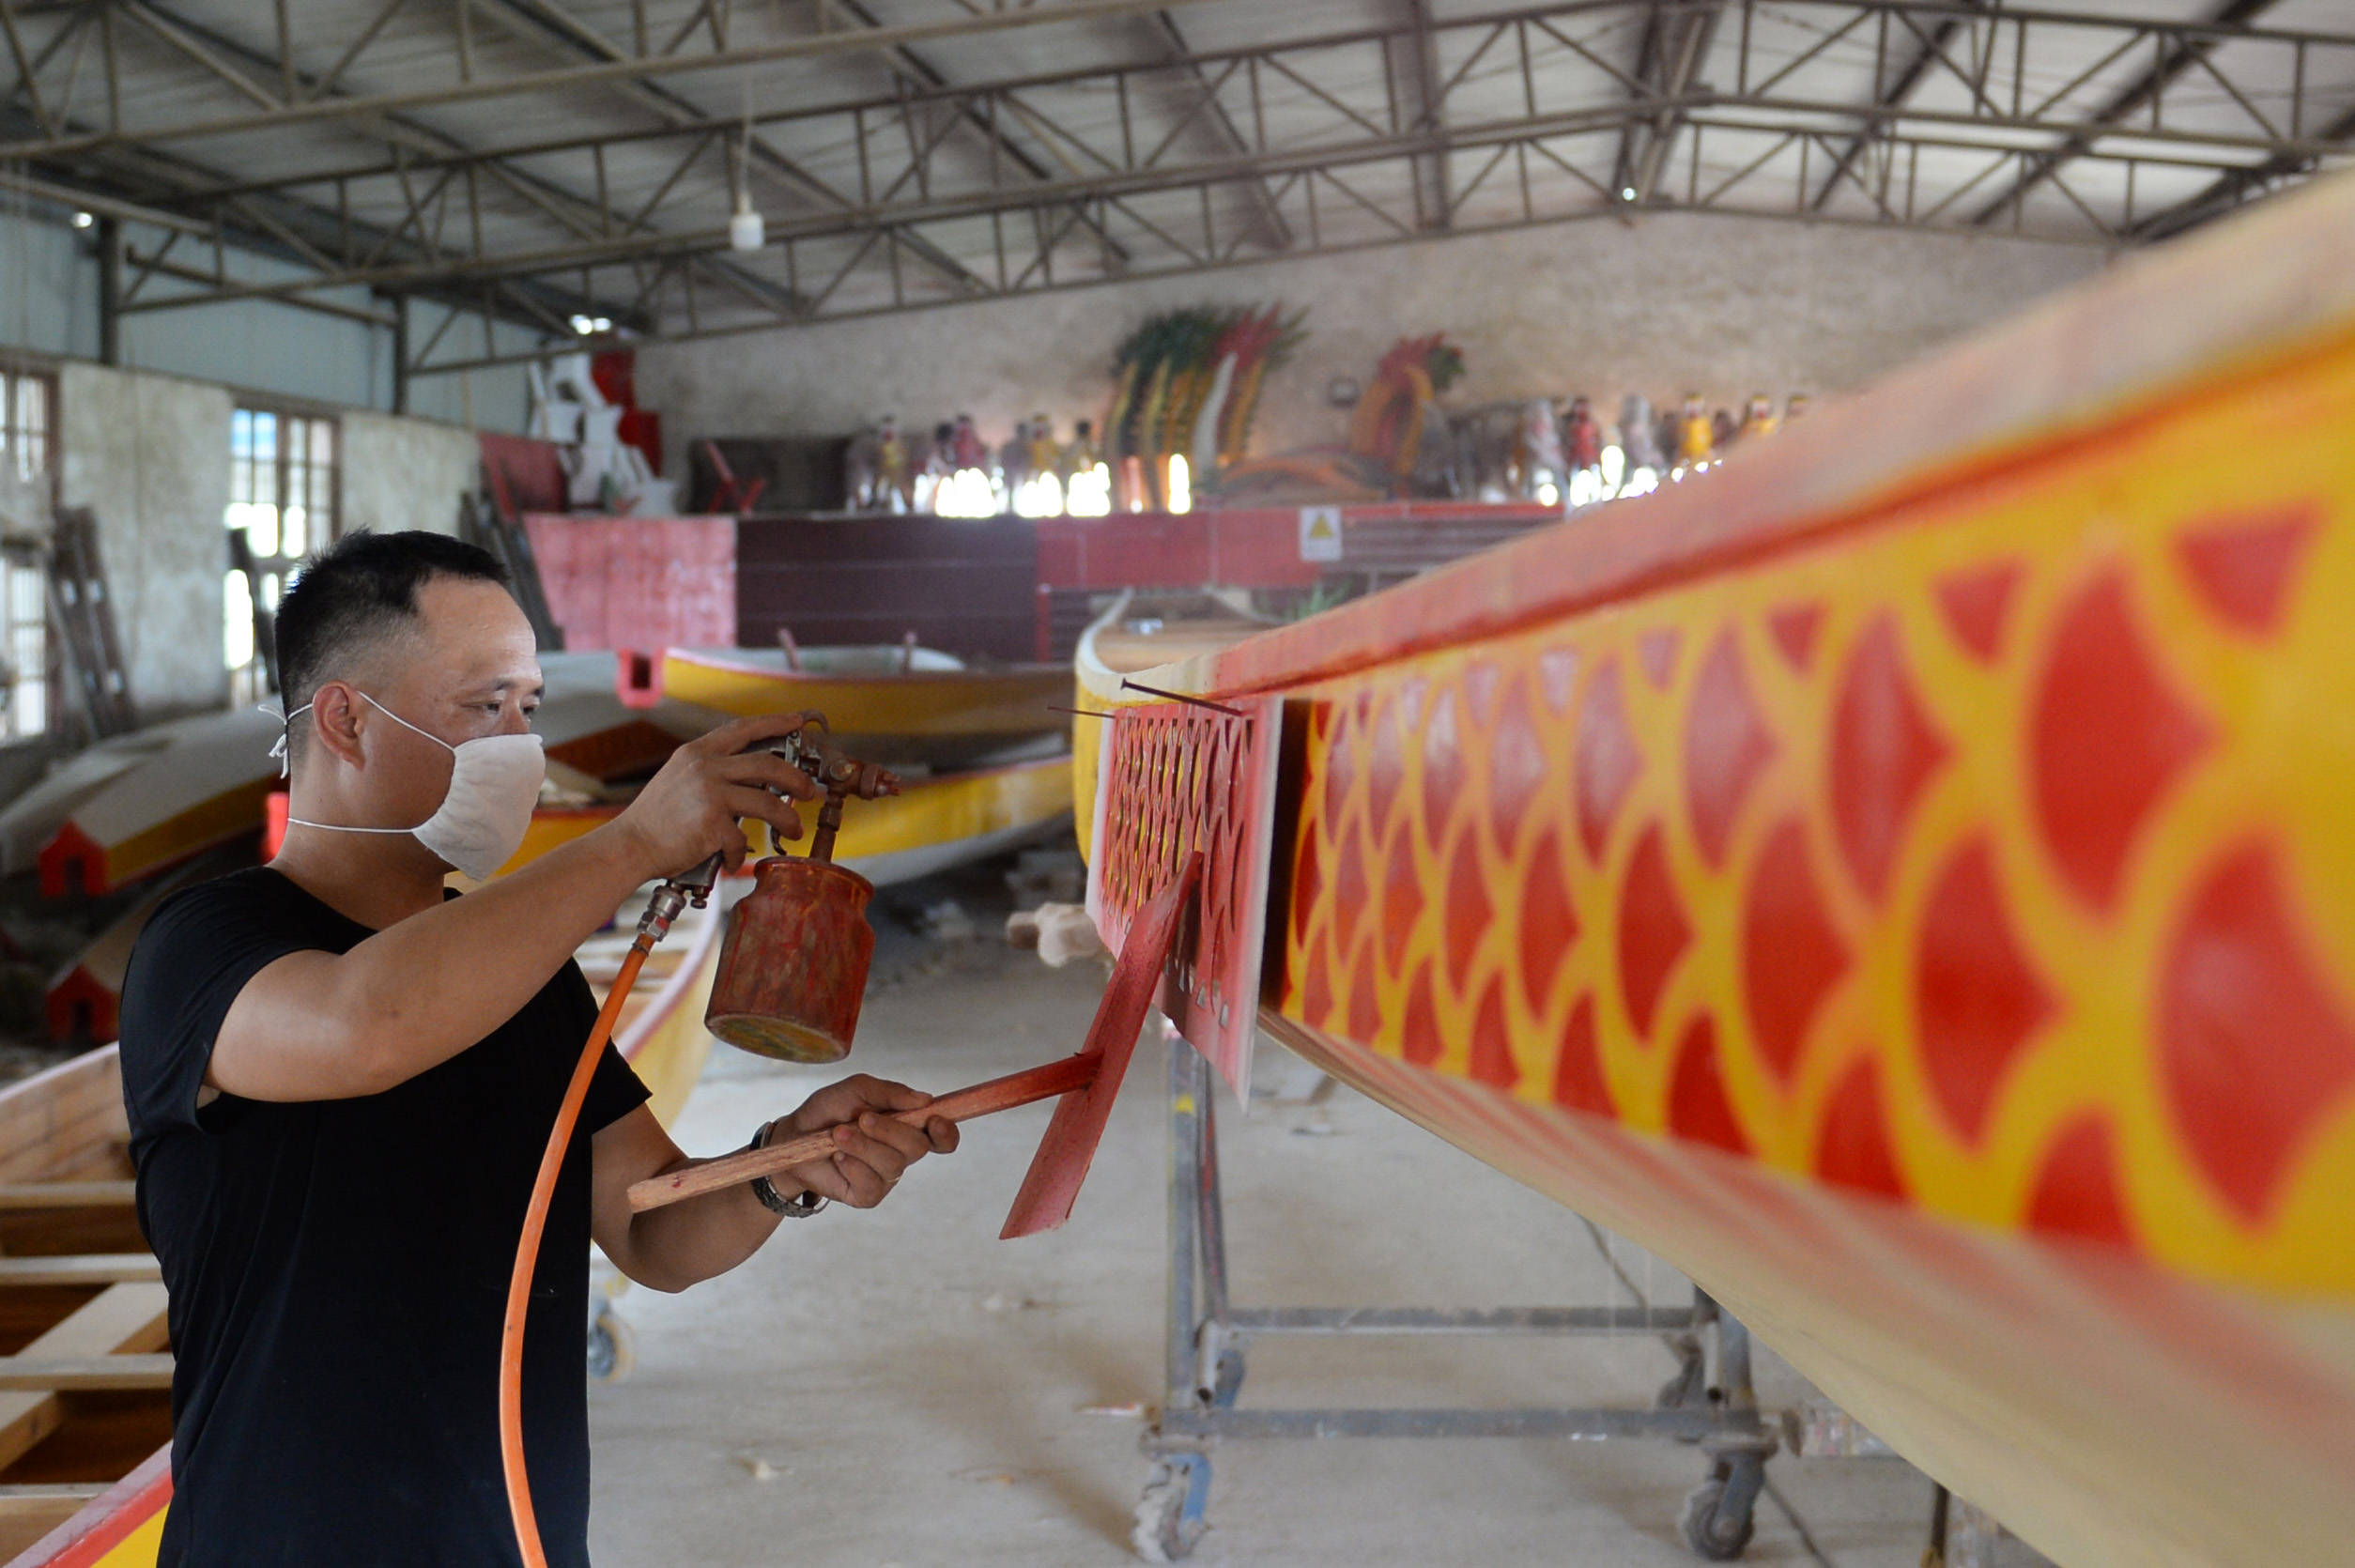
[[1208, 1337]]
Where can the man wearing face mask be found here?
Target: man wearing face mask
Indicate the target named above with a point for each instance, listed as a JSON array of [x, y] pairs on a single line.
[[340, 1079]]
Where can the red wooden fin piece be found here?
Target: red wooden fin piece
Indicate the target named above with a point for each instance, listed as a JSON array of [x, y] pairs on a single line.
[[638, 677], [1065, 1153]]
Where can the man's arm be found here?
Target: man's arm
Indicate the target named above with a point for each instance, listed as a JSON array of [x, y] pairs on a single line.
[[671, 1247], [315, 1026]]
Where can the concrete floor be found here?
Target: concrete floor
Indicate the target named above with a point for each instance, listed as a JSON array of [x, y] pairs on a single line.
[[899, 1387]]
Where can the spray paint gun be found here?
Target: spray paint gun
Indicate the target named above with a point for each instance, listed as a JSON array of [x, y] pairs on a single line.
[[792, 966], [811, 749]]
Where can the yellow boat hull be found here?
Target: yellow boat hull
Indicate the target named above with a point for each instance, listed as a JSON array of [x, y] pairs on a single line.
[[946, 717], [933, 824]]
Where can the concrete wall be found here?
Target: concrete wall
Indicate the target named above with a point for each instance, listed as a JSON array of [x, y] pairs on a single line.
[[150, 455], [1722, 306], [404, 473]]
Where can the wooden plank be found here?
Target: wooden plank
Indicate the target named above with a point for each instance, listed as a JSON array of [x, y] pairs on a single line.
[[121, 1318], [65, 1194], [63, 1121], [1066, 1075], [86, 1148], [69, 1374], [80, 1269], [61, 1097], [56, 1502]]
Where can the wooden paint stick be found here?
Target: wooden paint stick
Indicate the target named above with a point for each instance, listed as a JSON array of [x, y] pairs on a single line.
[[999, 1094]]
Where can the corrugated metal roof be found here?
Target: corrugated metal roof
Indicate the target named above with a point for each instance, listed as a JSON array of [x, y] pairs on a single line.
[[999, 150]]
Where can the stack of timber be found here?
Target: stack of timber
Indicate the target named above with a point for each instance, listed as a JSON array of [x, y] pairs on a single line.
[[1904, 879], [85, 1375]]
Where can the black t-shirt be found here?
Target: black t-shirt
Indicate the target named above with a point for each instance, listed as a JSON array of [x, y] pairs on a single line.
[[337, 1269]]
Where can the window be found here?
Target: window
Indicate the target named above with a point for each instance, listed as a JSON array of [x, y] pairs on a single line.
[[282, 507], [26, 399]]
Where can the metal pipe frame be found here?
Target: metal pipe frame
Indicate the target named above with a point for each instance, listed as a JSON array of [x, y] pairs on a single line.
[[1207, 1337]]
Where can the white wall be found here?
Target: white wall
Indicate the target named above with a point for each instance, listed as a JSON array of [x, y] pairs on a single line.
[[149, 455], [406, 473], [1722, 306]]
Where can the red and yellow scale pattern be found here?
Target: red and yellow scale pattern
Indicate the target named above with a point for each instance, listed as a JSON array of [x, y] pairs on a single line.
[[1994, 853]]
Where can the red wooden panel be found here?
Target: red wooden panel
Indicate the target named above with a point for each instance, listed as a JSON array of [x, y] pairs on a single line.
[[1176, 778], [1052, 1183], [524, 474], [639, 582], [1259, 547]]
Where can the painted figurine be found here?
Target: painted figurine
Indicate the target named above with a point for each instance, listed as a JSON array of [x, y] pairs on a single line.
[[1696, 434], [895, 468], [1081, 456], [938, 464], [1013, 462], [1046, 452], [1640, 437], [1583, 436], [966, 450], [1759, 419], [1538, 459]]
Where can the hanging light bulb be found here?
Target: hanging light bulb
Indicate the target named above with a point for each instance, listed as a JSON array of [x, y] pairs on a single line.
[[746, 230]]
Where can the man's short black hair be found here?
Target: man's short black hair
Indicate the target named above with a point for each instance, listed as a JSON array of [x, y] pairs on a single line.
[[355, 591]]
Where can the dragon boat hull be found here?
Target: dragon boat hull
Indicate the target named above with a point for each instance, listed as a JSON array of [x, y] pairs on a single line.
[[1900, 878], [889, 704], [935, 823], [141, 804]]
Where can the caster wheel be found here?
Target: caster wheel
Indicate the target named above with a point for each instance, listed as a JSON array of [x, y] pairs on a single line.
[[1165, 1532], [613, 1348], [1707, 1528]]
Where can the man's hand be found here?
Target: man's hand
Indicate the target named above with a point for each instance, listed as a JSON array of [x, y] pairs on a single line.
[[689, 810], [872, 1148]]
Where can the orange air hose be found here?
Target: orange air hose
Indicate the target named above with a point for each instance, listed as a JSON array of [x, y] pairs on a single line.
[[527, 1256]]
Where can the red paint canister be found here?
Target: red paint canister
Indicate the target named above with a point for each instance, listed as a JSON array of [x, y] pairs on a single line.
[[792, 966]]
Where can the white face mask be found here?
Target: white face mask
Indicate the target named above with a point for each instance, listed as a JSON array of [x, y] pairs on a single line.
[[494, 784]]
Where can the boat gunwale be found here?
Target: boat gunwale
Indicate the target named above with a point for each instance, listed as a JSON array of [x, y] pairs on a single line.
[[1028, 670], [607, 810]]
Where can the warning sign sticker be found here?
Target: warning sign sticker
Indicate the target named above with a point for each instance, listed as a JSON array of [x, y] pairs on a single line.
[[1320, 533]]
